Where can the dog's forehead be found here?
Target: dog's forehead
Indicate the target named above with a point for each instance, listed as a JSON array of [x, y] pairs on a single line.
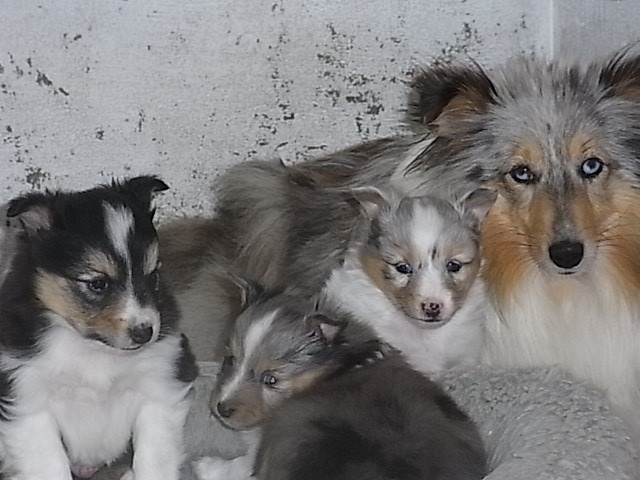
[[269, 334], [424, 227]]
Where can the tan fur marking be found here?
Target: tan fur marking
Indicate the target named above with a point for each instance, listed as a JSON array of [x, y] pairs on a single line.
[[469, 101], [529, 153], [100, 262], [375, 267], [619, 237], [580, 147], [57, 294], [508, 259], [305, 380]]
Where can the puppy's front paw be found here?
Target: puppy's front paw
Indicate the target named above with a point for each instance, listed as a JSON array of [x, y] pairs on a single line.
[[128, 475]]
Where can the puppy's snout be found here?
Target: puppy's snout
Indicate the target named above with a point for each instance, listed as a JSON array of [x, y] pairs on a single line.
[[141, 334], [432, 309], [566, 253], [224, 410]]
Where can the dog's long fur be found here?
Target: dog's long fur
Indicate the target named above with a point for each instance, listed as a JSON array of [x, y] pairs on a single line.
[[90, 357], [337, 402], [560, 144]]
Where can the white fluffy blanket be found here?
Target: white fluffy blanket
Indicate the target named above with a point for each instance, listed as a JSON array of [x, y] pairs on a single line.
[[537, 424]]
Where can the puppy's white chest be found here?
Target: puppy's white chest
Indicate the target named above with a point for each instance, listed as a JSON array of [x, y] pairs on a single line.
[[92, 394]]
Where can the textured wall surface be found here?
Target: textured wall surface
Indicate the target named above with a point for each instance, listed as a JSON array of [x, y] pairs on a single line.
[[182, 88]]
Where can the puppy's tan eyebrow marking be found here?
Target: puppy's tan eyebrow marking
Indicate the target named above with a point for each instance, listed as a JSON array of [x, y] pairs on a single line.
[[98, 262]]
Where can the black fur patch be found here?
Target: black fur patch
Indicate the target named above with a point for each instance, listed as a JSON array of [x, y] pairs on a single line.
[[186, 366]]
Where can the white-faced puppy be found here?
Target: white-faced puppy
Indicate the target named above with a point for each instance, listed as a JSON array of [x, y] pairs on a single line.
[[333, 401], [90, 357], [413, 276]]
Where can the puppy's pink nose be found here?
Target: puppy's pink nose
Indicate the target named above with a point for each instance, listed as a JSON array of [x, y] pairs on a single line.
[[431, 309]]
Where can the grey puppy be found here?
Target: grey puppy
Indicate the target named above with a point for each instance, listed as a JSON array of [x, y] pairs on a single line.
[[334, 402]]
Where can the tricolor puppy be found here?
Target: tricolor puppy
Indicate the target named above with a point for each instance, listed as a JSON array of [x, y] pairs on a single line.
[[333, 401], [413, 276], [90, 357]]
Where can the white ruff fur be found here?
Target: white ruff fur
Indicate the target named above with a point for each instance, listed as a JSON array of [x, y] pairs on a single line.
[[239, 468], [427, 349], [78, 402], [582, 324]]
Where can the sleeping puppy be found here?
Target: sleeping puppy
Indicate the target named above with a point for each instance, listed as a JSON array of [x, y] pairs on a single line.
[[90, 357]]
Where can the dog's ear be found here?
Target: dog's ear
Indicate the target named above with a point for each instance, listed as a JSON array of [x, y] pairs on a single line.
[[142, 188], [443, 95], [250, 291], [33, 210], [621, 74], [475, 206], [372, 200], [324, 326]]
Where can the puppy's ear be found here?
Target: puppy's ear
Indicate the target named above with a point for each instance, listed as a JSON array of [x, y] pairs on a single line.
[[327, 328], [33, 210], [441, 96], [621, 74], [372, 200], [249, 291], [475, 206], [142, 188]]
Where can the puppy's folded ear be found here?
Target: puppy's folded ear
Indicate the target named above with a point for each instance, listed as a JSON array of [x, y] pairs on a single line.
[[327, 328], [475, 206], [441, 96], [33, 210], [142, 188], [372, 200]]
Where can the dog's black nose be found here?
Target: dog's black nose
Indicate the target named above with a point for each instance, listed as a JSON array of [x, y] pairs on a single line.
[[141, 334], [566, 254], [431, 309], [224, 410]]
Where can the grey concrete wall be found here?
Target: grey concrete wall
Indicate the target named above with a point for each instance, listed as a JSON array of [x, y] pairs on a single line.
[[91, 89]]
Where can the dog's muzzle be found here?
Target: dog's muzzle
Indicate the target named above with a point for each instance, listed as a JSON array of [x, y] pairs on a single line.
[[566, 253]]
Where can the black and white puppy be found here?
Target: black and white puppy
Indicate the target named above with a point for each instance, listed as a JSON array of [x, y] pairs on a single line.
[[90, 357]]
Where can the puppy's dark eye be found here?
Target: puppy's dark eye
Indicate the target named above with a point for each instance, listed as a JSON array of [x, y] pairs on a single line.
[[404, 268], [453, 266], [269, 379], [591, 168], [522, 174], [98, 285]]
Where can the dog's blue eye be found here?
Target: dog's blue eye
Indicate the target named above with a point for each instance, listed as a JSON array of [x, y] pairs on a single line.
[[453, 266], [404, 268], [268, 379], [591, 167], [99, 285], [522, 174]]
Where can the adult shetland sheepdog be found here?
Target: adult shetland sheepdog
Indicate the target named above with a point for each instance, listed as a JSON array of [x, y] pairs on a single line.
[[560, 144], [90, 357]]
